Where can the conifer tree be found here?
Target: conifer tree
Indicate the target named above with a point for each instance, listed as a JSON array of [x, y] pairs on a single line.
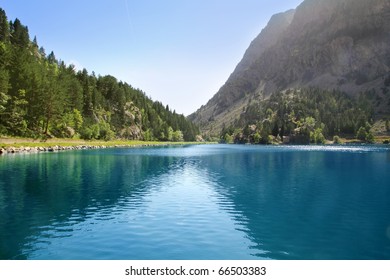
[[41, 95]]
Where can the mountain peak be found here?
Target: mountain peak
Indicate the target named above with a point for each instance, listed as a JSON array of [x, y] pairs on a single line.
[[328, 44]]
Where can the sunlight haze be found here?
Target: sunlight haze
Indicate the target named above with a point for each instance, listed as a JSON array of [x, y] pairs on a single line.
[[177, 52]]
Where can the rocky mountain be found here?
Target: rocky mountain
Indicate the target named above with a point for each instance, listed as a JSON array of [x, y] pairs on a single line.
[[327, 44]]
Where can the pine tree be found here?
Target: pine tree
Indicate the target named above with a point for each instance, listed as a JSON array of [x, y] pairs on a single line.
[[40, 95], [4, 27], [19, 34]]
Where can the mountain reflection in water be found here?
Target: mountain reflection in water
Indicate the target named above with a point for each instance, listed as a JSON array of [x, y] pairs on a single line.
[[197, 202]]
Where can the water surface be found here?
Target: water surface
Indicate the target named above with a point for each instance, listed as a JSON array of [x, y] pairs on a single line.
[[197, 202]]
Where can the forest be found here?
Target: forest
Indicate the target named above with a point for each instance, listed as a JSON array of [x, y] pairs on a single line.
[[42, 97], [304, 116]]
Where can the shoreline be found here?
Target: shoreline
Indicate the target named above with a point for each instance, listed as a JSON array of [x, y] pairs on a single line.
[[10, 146]]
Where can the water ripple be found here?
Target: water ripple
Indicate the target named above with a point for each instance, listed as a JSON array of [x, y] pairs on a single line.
[[198, 202]]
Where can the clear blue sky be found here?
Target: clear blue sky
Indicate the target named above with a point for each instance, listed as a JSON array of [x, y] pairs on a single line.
[[179, 52]]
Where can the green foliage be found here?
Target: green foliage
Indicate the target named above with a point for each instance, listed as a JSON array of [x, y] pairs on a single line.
[[86, 133], [19, 34], [3, 101], [105, 131], [317, 137], [370, 137], [40, 96], [77, 119], [361, 134], [336, 140], [4, 27], [148, 135], [256, 138], [305, 115], [177, 136], [265, 131], [227, 139], [68, 124], [364, 133], [169, 133]]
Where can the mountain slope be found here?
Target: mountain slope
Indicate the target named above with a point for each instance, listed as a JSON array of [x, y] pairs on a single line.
[[329, 44], [40, 96]]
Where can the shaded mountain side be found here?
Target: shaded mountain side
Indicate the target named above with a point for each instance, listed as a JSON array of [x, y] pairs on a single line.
[[229, 100], [328, 44], [266, 39]]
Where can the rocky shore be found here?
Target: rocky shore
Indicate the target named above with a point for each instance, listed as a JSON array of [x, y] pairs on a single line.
[[19, 150], [56, 148]]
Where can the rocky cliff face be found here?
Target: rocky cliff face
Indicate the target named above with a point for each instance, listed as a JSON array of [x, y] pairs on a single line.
[[330, 44], [268, 37]]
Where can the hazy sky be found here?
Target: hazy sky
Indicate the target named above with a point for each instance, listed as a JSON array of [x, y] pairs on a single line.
[[179, 52]]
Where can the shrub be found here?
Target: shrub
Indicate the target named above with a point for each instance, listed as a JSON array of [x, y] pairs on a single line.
[[86, 133], [370, 137], [361, 134], [364, 134], [317, 137]]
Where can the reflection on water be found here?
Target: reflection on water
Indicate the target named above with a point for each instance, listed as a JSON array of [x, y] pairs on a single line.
[[197, 202], [64, 189], [305, 205]]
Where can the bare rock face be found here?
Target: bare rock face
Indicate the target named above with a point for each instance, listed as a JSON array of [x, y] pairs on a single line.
[[268, 37], [243, 79], [329, 44], [133, 122], [336, 45]]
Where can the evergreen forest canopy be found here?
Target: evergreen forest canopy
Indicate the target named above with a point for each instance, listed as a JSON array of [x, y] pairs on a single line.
[[304, 115], [40, 96]]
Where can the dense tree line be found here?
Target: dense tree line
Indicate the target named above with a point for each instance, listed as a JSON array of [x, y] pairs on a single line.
[[304, 115], [42, 96]]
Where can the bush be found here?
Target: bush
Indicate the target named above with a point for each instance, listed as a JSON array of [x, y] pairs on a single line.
[[105, 132], [86, 133], [364, 134], [370, 137], [361, 134], [257, 138], [317, 137], [227, 139], [95, 131], [90, 132], [177, 136], [148, 135], [336, 140]]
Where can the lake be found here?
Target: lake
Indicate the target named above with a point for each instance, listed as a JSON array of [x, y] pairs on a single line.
[[201, 202]]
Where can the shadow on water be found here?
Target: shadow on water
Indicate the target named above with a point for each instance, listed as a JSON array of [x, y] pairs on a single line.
[[37, 191], [309, 204]]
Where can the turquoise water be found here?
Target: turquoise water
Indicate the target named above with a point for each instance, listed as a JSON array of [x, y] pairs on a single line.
[[197, 202]]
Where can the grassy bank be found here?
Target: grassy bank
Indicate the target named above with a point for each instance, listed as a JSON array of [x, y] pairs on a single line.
[[16, 142], [6, 142]]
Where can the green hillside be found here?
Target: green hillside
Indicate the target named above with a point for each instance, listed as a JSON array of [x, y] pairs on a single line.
[[41, 96]]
